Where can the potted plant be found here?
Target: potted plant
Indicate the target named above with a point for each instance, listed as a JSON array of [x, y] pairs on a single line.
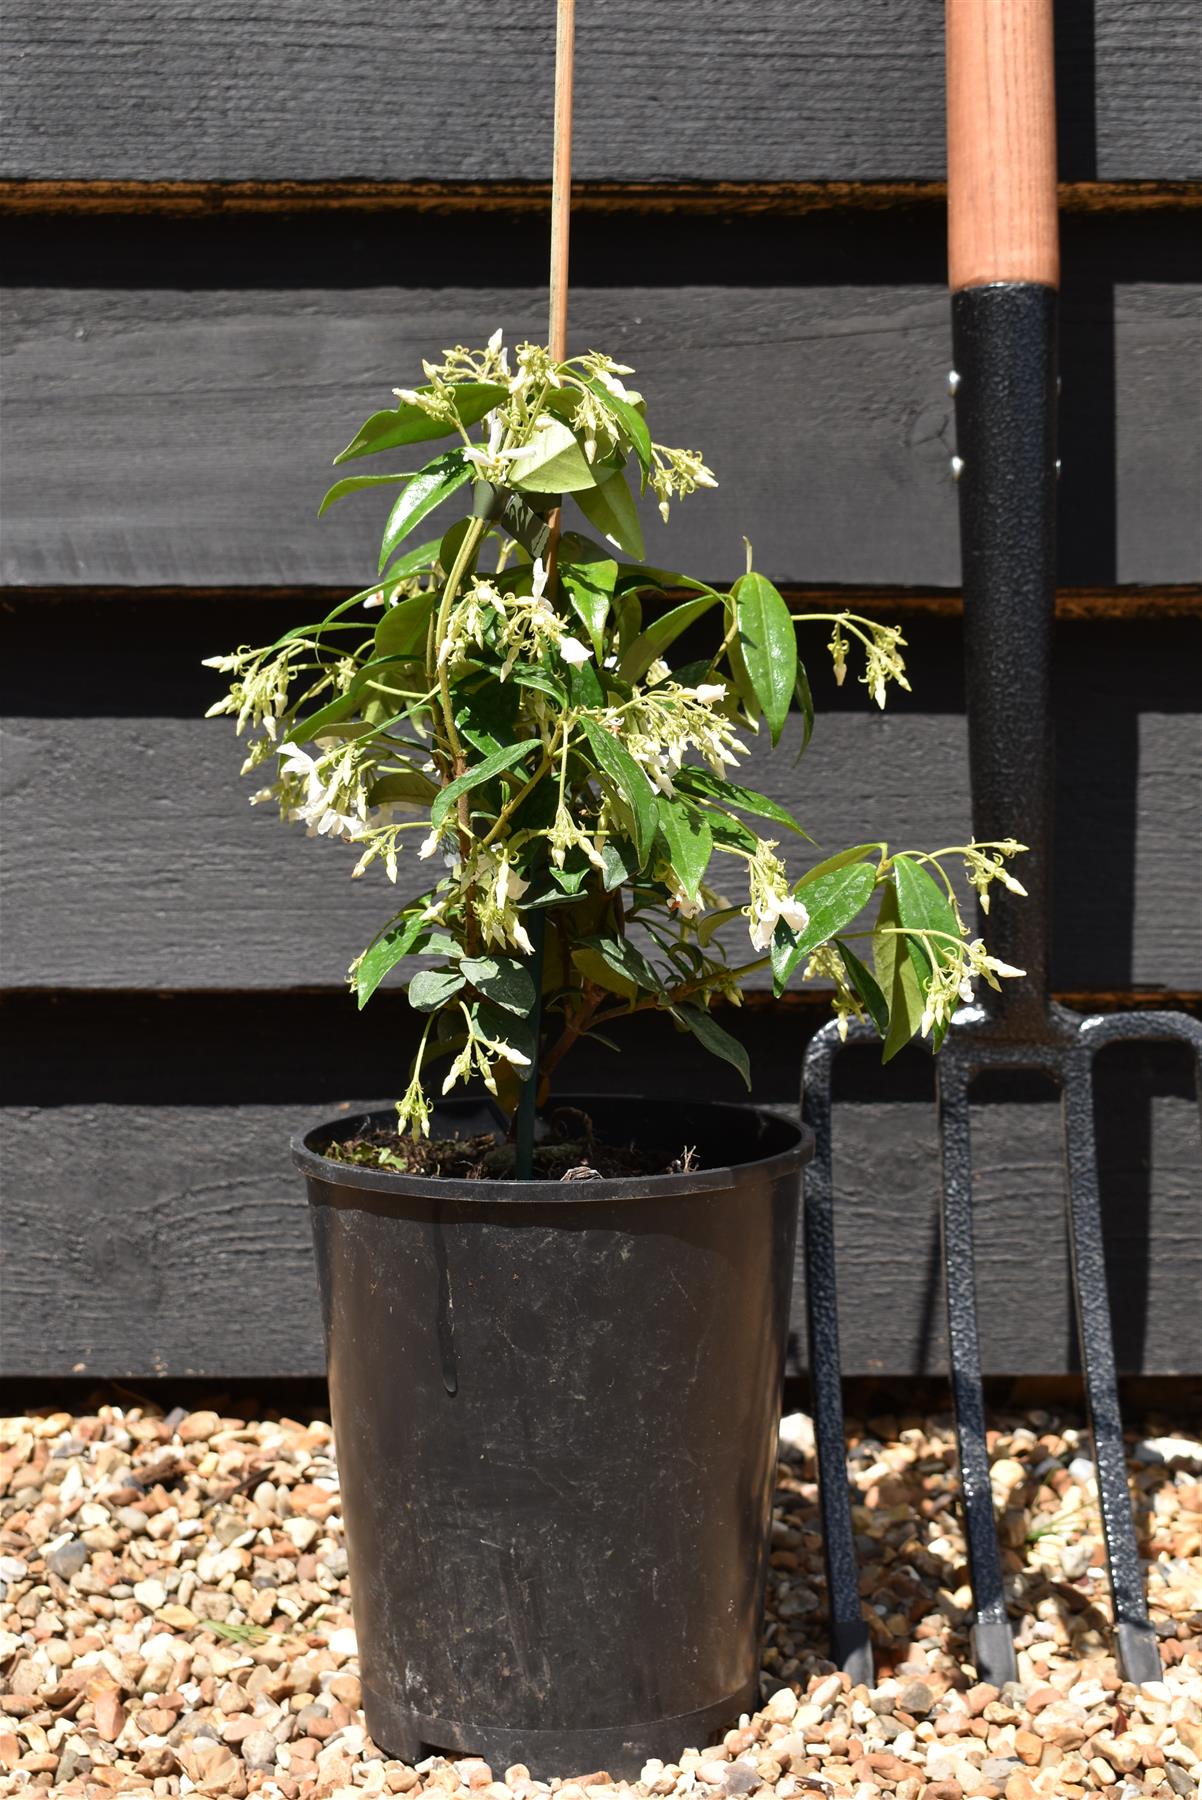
[[556, 1331]]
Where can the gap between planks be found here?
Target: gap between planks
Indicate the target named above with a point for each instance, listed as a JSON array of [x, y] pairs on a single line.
[[1177, 601], [780, 199], [815, 1003]]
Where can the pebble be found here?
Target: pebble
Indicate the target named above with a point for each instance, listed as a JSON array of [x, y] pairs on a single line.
[[174, 1620]]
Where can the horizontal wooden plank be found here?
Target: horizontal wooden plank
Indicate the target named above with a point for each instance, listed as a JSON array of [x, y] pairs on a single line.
[[133, 860], [149, 1191], [727, 90], [172, 421]]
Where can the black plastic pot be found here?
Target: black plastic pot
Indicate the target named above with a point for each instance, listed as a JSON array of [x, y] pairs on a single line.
[[556, 1407]]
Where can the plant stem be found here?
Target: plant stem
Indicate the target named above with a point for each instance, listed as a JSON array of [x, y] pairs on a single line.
[[450, 593]]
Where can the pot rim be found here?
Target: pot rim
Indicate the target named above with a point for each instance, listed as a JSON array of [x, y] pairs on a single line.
[[398, 1183]]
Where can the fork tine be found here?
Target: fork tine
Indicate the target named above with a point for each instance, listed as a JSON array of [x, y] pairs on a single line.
[[850, 1641], [993, 1640], [1135, 1638]]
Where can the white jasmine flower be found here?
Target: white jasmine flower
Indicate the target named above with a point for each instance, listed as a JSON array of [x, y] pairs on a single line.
[[573, 651], [771, 899], [711, 692], [429, 845]]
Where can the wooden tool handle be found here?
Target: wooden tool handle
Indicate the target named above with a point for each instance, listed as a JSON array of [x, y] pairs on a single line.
[[1001, 143]]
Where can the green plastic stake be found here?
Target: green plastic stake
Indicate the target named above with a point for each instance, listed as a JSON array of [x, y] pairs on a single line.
[[528, 1103]]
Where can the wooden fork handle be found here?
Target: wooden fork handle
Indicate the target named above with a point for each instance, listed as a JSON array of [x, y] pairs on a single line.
[[1001, 143]]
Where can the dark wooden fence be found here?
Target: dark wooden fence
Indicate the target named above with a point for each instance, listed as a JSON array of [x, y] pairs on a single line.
[[228, 238]]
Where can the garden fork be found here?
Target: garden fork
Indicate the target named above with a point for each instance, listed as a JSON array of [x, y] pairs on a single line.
[[1003, 271]]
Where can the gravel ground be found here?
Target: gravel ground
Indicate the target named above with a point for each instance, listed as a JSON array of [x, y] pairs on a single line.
[[174, 1619]]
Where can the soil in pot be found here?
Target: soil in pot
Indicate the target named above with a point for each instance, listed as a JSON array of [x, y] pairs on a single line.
[[571, 1150]]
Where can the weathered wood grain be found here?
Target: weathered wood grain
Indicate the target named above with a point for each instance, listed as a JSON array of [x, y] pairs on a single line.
[[728, 89], [160, 435], [154, 1225], [134, 860]]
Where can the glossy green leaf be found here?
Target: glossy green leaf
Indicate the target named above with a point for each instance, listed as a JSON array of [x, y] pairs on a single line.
[[768, 644], [616, 870], [402, 628], [431, 988], [623, 959], [610, 507], [353, 484], [661, 633], [554, 463], [503, 980], [895, 976], [857, 853], [589, 587], [924, 906], [805, 701], [704, 785], [690, 842], [584, 686], [507, 1028], [716, 1041], [623, 773], [832, 902], [487, 713], [865, 986], [428, 489], [496, 764], [393, 944], [595, 968], [628, 416], [410, 425], [403, 787]]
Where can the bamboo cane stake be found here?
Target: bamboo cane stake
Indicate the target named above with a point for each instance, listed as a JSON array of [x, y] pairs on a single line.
[[557, 339]]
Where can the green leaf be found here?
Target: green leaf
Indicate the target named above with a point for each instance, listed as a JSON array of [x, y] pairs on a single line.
[[584, 687], [805, 701], [352, 484], [428, 489], [832, 902], [553, 463], [534, 676], [628, 416], [495, 764], [595, 968], [410, 425], [661, 633], [857, 853], [502, 980], [394, 943], [404, 787], [924, 906], [623, 773], [621, 955], [865, 986], [431, 988], [589, 587], [689, 839], [616, 871], [487, 713], [611, 509], [704, 785], [402, 628], [768, 643], [729, 831], [716, 1041], [506, 1028], [895, 976]]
